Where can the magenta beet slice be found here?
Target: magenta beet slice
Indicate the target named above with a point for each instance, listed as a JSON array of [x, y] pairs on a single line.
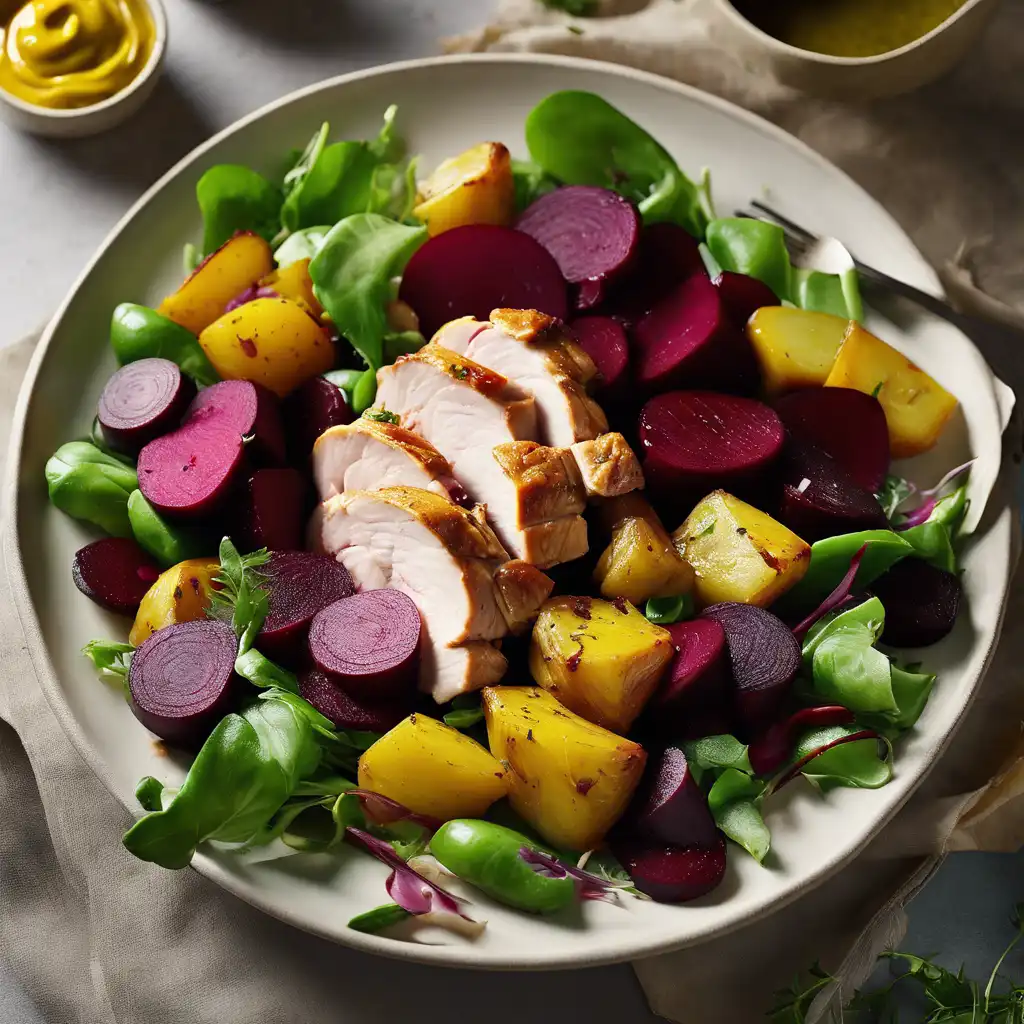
[[301, 584], [672, 874], [592, 232], [473, 269], [604, 340], [274, 509], [820, 499], [348, 712], [310, 410], [141, 401], [369, 643], [699, 440], [769, 751], [763, 657], [743, 295], [921, 603], [697, 677], [115, 573], [181, 679], [671, 807], [690, 340], [846, 424], [251, 410]]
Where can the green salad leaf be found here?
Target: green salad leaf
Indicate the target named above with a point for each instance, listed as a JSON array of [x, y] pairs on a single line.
[[735, 803], [854, 763], [111, 657], [301, 245], [91, 485], [714, 753], [531, 182], [895, 490], [234, 198], [242, 595], [752, 247]]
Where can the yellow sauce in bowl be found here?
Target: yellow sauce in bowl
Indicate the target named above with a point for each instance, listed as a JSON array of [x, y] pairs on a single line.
[[64, 54], [848, 28]]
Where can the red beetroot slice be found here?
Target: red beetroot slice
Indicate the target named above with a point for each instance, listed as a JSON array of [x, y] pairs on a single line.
[[672, 874], [369, 643], [743, 295], [846, 424], [689, 339], [763, 656], [592, 232], [773, 748], [189, 473], [921, 603], [275, 503], [301, 584], [473, 269], [696, 678], [141, 401], [315, 407], [347, 712], [249, 409], [671, 808], [181, 679], [115, 573], [604, 340], [699, 440]]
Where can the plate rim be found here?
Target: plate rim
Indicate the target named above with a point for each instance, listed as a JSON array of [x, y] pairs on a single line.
[[456, 956]]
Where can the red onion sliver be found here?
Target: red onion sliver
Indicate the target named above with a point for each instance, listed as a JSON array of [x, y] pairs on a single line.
[[836, 598]]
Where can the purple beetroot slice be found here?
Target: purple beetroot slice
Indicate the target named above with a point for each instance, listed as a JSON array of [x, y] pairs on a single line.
[[696, 678], [743, 295], [671, 807], [604, 340], [591, 232], [275, 503], [301, 584], [348, 712], [476, 268], [115, 573], [763, 657], [671, 874], [310, 410], [369, 643], [921, 603], [846, 424], [250, 409], [141, 401], [181, 679]]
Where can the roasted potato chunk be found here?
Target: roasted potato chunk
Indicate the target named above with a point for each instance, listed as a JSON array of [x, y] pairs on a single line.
[[916, 406], [238, 264], [293, 282], [601, 659], [433, 769], [739, 553], [795, 347], [570, 779], [474, 187], [641, 562], [180, 594]]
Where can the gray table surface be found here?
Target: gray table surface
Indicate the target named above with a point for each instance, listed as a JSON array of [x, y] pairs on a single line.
[[59, 199]]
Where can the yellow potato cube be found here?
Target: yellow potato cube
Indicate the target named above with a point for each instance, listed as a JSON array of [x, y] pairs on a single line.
[[916, 406], [238, 264], [739, 553], [293, 282], [433, 769], [601, 659], [180, 594], [795, 347], [570, 779], [475, 187], [641, 562]]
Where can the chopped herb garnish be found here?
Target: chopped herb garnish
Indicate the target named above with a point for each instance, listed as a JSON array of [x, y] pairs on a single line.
[[381, 416]]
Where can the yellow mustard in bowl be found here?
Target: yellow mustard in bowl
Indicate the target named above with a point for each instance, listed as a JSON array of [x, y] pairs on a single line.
[[64, 54]]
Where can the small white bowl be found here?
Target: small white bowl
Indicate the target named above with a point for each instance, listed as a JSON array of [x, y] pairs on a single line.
[[860, 78], [98, 117]]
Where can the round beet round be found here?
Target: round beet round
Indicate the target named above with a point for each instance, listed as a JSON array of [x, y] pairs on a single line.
[[141, 401], [181, 679], [921, 603], [671, 807], [473, 269], [604, 340], [592, 232], [743, 295], [315, 407], [672, 874], [696, 678], [698, 440], [115, 573], [250, 410], [301, 584], [369, 643], [345, 711], [274, 509]]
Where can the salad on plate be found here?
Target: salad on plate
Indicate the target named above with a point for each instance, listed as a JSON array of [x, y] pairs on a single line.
[[525, 526]]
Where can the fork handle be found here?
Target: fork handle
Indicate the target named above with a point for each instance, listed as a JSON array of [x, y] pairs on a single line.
[[930, 302]]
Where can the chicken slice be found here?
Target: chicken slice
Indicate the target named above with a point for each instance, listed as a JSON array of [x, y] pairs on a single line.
[[608, 466], [368, 454], [531, 349], [522, 589]]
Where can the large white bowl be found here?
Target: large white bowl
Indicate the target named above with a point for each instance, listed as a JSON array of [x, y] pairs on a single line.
[[446, 105]]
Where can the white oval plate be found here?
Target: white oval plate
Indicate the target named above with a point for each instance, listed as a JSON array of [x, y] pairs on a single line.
[[444, 106]]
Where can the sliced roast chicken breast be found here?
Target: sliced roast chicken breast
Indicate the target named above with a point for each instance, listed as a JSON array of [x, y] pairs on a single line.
[[531, 349]]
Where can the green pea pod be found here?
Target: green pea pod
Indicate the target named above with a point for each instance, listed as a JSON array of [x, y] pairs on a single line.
[[364, 392], [91, 485], [932, 543], [950, 510], [168, 544], [138, 332], [755, 248], [486, 855]]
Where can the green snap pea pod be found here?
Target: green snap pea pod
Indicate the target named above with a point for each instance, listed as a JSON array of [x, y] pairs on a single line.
[[168, 544], [754, 248], [931, 542], [379, 918], [91, 485], [138, 332], [950, 510], [486, 855], [364, 392], [346, 380]]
